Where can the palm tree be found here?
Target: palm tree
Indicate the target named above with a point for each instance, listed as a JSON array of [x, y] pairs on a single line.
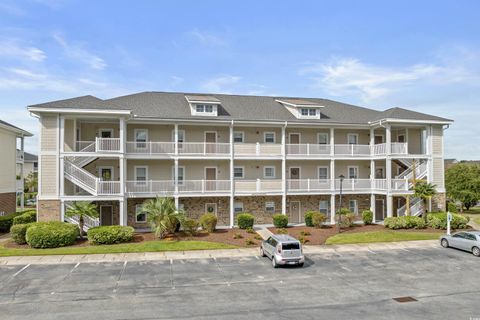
[[31, 182], [82, 209], [162, 215], [425, 191]]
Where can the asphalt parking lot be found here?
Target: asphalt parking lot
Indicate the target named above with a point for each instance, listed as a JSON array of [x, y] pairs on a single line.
[[356, 285]]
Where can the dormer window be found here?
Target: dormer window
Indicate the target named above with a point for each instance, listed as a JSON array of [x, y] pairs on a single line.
[[204, 108], [203, 105], [302, 109], [309, 112]]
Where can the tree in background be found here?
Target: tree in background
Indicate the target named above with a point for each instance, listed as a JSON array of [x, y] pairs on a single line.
[[82, 209], [462, 182], [31, 182], [425, 191]]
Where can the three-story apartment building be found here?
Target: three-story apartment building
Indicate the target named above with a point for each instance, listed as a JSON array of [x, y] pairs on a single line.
[[230, 153]]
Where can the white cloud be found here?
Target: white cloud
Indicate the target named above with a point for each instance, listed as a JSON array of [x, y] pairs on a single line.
[[77, 52], [206, 38], [13, 49], [221, 84]]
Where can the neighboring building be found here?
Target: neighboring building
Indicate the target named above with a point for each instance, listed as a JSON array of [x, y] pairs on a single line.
[[11, 163], [231, 153], [30, 164], [448, 163]]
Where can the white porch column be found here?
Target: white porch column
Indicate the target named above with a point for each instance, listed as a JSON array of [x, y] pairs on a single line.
[[332, 209], [372, 140], [62, 133], [389, 205], [388, 164], [123, 174], [62, 175], [388, 130], [62, 210], [123, 135], [332, 142], [122, 206], [176, 199], [175, 175], [332, 175], [372, 206], [232, 180], [284, 169], [175, 138]]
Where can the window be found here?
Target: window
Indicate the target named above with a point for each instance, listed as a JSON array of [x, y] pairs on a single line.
[[269, 137], [141, 137], [270, 207], [353, 206], [238, 172], [238, 136], [141, 174], [323, 173], [204, 108], [181, 175], [352, 172], [269, 172], [140, 215], [308, 112], [200, 108], [238, 207], [352, 138], [323, 208], [180, 138], [323, 138]]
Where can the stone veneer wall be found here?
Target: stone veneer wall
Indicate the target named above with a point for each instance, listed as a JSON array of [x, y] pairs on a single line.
[[195, 207], [8, 202], [49, 210], [131, 203], [363, 202], [115, 210], [256, 206], [439, 202], [307, 203]]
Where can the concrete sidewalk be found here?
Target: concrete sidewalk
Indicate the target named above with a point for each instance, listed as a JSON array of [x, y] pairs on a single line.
[[211, 254]]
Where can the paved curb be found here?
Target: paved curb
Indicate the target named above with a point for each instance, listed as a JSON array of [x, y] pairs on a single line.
[[210, 254]]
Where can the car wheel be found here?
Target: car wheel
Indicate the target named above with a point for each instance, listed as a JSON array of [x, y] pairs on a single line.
[[444, 243], [274, 263], [262, 253], [300, 265], [476, 251]]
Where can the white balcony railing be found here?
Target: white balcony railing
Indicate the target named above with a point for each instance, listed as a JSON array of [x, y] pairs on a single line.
[[352, 150], [400, 184], [257, 149], [150, 147], [107, 144], [354, 184], [108, 187], [307, 149], [186, 186], [258, 186], [308, 185], [204, 186], [203, 148], [150, 187], [399, 148]]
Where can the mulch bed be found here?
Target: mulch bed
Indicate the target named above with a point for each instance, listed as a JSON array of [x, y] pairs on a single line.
[[319, 236]]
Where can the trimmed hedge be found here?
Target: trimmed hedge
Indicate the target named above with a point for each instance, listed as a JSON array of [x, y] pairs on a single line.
[[51, 234], [308, 218], [208, 222], [245, 220], [6, 221], [110, 234], [280, 220], [18, 232], [26, 217], [405, 222], [318, 219], [438, 220], [190, 226], [367, 217]]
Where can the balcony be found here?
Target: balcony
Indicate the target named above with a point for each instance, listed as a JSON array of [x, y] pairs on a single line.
[[258, 186], [98, 146], [108, 188], [352, 150], [247, 150], [305, 150], [308, 185], [151, 148], [398, 148], [167, 187], [204, 149]]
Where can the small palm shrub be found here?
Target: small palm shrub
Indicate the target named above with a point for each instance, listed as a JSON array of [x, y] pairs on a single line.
[[51, 234], [250, 230], [208, 222], [237, 236], [318, 219], [280, 220], [367, 217], [163, 216], [245, 220], [452, 207], [110, 234]]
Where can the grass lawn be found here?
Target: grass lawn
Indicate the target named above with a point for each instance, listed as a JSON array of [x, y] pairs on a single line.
[[475, 210], [380, 236], [477, 220], [146, 246]]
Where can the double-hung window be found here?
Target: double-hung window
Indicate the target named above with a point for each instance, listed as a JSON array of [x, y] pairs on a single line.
[[180, 175], [270, 207], [323, 207], [269, 137], [323, 138], [238, 136], [141, 175], [141, 137], [322, 173], [238, 207], [352, 172], [140, 215], [353, 206], [269, 172], [352, 138], [308, 112], [238, 172]]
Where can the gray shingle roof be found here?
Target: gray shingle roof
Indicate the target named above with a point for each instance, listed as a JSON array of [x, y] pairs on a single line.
[[29, 157], [14, 128], [174, 105]]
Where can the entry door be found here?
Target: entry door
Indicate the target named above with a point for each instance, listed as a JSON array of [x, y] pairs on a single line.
[[294, 141], [106, 174], [106, 133], [210, 178], [106, 215], [295, 178], [379, 209], [378, 139], [295, 215], [210, 142], [379, 173]]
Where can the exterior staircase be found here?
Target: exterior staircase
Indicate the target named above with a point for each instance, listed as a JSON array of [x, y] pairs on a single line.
[[88, 182], [416, 208], [416, 204], [87, 222]]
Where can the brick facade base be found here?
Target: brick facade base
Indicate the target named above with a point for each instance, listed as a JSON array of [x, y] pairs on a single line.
[[49, 210], [439, 202], [115, 211], [195, 207], [297, 206], [8, 202], [255, 205]]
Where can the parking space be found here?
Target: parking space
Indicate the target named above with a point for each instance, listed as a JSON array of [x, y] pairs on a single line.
[[246, 287]]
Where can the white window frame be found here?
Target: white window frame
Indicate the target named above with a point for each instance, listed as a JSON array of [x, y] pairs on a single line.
[[112, 178], [326, 209], [318, 172], [355, 211], [243, 172], [237, 205], [265, 172], [105, 130], [212, 204], [290, 172], [180, 182], [242, 133], [138, 207], [356, 169], [265, 136], [136, 176], [308, 115], [352, 135], [140, 144], [270, 204], [323, 134]]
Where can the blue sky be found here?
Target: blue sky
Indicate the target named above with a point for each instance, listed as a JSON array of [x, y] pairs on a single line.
[[422, 55]]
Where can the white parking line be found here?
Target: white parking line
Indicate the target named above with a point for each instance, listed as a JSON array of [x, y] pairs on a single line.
[[16, 273]]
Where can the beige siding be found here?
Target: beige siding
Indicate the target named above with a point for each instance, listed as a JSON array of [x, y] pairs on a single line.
[[197, 133], [93, 167], [341, 168], [437, 140], [254, 134], [254, 169], [307, 135], [48, 135], [88, 131], [341, 136], [438, 174], [157, 133], [415, 141], [157, 169], [308, 169], [7, 161], [69, 135], [48, 175]]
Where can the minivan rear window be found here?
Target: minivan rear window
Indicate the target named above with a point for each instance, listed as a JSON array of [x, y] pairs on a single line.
[[291, 246]]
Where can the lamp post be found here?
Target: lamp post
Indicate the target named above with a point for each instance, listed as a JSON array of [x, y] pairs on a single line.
[[341, 177]]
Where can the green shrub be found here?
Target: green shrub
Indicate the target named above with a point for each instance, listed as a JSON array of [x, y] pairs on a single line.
[[280, 220], [6, 221], [249, 242], [348, 220], [343, 211], [110, 234], [308, 218], [303, 239], [27, 217], [18, 232], [318, 219], [405, 222], [282, 231], [208, 222], [51, 234], [452, 207], [190, 226], [438, 220], [304, 233], [237, 236], [245, 220], [250, 230], [367, 217]]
